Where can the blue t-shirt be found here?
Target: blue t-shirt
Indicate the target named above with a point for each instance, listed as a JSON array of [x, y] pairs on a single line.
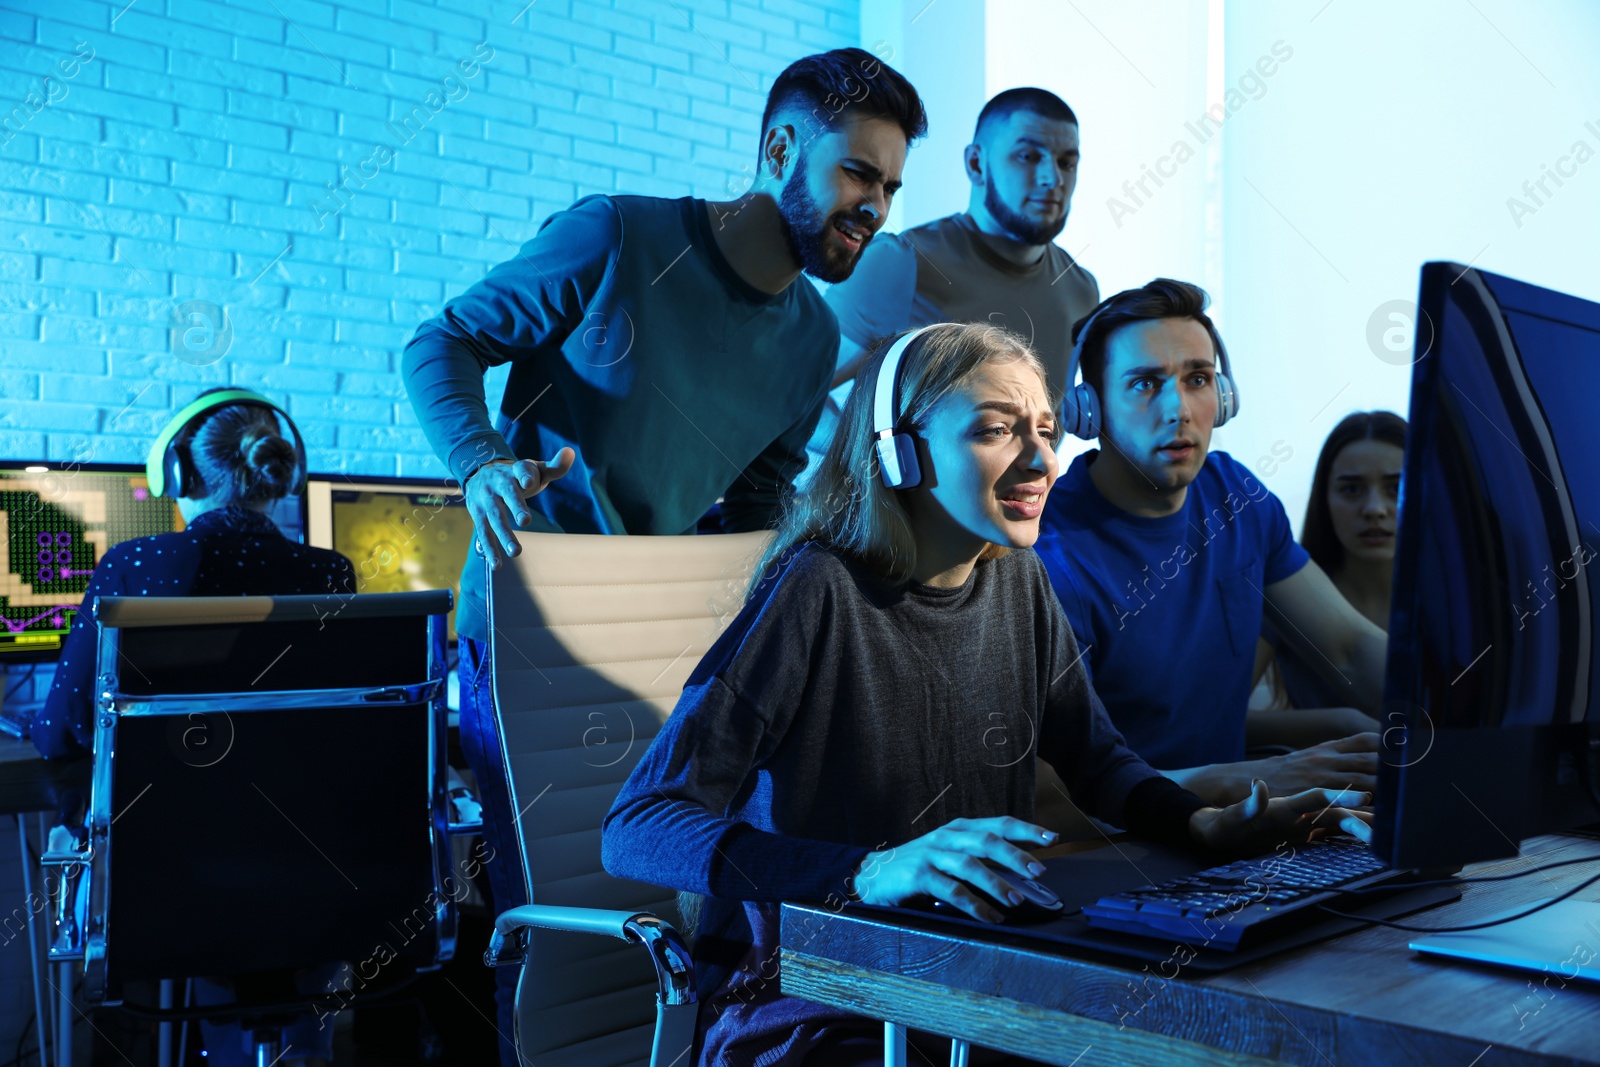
[[1167, 610]]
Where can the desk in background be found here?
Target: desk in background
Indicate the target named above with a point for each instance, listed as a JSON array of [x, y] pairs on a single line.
[[28, 784], [1358, 1000]]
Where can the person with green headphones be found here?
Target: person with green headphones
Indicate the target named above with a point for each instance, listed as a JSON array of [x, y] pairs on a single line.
[[227, 459]]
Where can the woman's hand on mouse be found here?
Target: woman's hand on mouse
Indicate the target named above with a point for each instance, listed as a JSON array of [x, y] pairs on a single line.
[[949, 865], [1260, 821]]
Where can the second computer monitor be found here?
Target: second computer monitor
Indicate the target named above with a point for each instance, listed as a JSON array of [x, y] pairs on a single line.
[[401, 534]]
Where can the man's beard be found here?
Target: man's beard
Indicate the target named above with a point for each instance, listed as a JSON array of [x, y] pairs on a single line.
[[1019, 226], [805, 229]]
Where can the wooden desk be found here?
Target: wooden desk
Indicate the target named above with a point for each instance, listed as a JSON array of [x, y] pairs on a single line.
[[1361, 999]]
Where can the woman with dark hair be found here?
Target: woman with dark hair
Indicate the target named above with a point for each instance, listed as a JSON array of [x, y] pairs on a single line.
[[230, 464], [227, 464], [1350, 532]]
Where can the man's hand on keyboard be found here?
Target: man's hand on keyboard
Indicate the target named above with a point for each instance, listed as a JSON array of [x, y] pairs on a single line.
[[1260, 821], [1348, 763]]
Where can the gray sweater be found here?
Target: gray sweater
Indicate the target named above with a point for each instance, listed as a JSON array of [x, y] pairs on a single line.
[[837, 716]]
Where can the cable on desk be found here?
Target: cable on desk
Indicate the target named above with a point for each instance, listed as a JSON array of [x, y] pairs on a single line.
[[1469, 926]]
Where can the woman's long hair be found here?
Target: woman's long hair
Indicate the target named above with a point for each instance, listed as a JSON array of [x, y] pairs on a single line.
[[1316, 535], [846, 505]]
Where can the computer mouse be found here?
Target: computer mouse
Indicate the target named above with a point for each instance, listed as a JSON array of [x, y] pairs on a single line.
[[1039, 904]]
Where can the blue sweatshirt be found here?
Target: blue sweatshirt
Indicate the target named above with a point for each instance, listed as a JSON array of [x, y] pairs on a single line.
[[634, 341]]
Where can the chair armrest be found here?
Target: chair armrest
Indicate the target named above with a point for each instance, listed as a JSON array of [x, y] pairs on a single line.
[[674, 965], [577, 920]]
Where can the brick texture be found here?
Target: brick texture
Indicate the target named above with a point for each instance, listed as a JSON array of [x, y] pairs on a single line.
[[325, 175]]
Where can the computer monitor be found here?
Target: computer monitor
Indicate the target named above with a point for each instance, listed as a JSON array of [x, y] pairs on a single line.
[[401, 534], [1490, 714], [58, 520]]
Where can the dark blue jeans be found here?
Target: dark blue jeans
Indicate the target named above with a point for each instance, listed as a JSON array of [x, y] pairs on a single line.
[[480, 741]]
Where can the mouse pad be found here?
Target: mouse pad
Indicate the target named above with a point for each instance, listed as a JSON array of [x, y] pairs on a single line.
[[1084, 877]]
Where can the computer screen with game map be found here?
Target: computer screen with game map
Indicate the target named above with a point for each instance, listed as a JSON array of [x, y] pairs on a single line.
[[58, 522], [59, 519]]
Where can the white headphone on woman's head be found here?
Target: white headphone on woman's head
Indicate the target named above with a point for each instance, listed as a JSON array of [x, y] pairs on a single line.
[[1080, 404], [897, 452]]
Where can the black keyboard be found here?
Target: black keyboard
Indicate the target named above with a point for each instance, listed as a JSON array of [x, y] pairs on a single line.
[[17, 723], [1242, 903]]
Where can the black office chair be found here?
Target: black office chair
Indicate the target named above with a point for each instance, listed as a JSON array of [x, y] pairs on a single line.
[[269, 797]]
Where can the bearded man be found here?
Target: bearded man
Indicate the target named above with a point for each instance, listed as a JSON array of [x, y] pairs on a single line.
[[664, 353]]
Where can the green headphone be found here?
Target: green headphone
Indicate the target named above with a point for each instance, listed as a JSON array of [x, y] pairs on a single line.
[[165, 467]]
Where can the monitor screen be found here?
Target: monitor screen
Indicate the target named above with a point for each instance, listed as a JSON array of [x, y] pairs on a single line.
[[401, 535], [59, 519], [1492, 680]]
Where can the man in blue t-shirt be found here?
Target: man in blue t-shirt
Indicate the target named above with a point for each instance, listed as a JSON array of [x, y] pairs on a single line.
[[664, 353], [1165, 555]]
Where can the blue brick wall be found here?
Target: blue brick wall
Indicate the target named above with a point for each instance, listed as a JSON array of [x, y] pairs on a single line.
[[208, 192], [164, 163]]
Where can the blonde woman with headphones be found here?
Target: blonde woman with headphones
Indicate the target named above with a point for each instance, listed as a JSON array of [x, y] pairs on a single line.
[[866, 728]]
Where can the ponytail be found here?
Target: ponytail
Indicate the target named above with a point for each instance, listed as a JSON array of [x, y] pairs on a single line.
[[239, 454]]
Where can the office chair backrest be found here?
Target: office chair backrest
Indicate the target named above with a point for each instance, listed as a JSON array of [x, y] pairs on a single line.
[[224, 644], [269, 788], [592, 638]]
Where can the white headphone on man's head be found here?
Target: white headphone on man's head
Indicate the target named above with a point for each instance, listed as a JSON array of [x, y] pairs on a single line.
[[1080, 404], [897, 452]]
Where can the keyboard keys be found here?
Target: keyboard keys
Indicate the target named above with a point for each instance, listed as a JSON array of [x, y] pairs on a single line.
[[1245, 895], [1160, 907]]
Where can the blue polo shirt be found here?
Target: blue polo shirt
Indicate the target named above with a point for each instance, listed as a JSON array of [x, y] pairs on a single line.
[[1167, 610]]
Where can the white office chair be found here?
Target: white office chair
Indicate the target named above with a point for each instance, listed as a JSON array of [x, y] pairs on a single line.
[[592, 639]]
